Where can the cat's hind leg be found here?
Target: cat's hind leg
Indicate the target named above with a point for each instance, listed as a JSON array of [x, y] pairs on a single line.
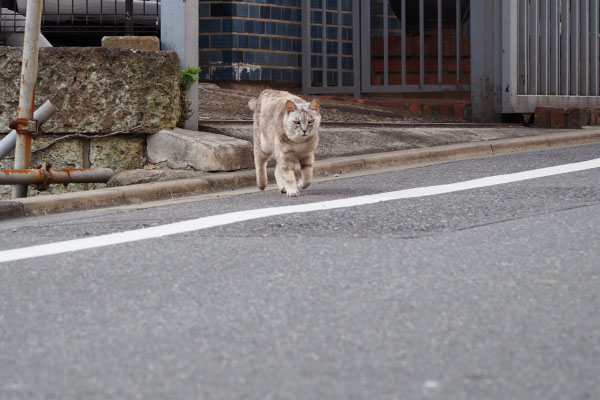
[[306, 171], [260, 164]]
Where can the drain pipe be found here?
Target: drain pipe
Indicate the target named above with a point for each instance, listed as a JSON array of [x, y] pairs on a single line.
[[25, 125], [41, 115]]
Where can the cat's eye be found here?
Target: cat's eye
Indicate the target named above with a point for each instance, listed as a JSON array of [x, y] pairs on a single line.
[[311, 121], [297, 122]]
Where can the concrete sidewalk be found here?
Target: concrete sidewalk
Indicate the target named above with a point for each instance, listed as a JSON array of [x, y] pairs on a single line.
[[343, 148]]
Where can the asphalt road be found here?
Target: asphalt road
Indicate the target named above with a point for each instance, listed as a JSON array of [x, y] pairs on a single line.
[[490, 293]]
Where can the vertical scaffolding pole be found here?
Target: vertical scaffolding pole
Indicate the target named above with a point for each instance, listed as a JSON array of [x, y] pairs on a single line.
[[33, 20]]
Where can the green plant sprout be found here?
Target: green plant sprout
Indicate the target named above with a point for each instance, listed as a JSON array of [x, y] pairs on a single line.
[[189, 76]]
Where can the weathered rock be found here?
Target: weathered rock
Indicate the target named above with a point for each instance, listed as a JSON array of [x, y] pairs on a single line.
[[67, 154], [202, 151], [132, 42], [97, 90], [118, 153]]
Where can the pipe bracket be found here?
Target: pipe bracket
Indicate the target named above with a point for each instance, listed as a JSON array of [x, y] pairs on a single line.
[[24, 125], [45, 167]]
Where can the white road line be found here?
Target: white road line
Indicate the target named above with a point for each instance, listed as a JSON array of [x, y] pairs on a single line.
[[239, 216]]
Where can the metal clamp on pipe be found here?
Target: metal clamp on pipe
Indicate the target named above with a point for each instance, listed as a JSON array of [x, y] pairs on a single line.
[[45, 167], [22, 125]]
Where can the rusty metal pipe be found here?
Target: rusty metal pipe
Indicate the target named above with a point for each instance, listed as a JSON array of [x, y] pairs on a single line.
[[33, 20], [41, 177], [42, 115]]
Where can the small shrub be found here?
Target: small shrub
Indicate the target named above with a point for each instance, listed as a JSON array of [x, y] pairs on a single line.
[[189, 76]]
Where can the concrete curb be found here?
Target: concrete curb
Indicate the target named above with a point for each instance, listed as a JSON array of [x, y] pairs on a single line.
[[136, 194]]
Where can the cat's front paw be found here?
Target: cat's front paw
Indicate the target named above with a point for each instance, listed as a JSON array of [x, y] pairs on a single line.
[[293, 193]]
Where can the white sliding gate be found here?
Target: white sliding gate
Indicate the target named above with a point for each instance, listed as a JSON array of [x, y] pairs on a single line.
[[549, 54]]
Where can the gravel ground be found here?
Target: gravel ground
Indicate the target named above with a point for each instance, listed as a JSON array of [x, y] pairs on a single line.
[[227, 104]]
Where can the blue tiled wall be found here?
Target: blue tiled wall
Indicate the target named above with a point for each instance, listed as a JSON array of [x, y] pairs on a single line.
[[332, 44], [250, 40], [261, 40]]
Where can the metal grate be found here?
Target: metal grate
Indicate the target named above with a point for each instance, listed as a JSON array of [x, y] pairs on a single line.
[[384, 46], [551, 51], [379, 23], [140, 17], [567, 35]]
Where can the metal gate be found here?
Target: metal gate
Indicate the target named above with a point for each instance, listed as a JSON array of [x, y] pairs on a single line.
[[77, 17], [352, 46], [550, 54], [330, 47]]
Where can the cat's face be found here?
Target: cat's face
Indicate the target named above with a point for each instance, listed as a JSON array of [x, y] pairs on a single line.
[[301, 121]]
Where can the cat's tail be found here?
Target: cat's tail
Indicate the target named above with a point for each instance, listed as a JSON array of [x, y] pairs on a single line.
[[252, 103]]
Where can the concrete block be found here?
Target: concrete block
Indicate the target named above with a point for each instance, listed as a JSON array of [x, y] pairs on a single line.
[[430, 109], [577, 117], [460, 110], [118, 153], [561, 118], [557, 118], [150, 43], [415, 107], [203, 151], [542, 117], [593, 115], [97, 90], [446, 110]]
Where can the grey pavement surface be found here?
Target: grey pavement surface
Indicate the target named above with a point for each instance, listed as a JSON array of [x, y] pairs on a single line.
[[337, 140], [343, 149], [489, 293]]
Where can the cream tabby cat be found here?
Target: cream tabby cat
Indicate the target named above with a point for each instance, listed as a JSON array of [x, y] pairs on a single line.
[[288, 128]]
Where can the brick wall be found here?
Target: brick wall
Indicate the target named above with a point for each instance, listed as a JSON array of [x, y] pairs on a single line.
[[413, 51], [250, 40]]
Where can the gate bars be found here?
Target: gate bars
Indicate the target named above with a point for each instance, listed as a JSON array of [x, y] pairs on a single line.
[[362, 57], [403, 86]]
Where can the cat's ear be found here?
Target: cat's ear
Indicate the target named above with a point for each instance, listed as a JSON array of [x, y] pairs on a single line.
[[315, 105], [290, 106]]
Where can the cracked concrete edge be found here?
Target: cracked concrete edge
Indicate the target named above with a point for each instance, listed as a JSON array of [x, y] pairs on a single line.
[[139, 193]]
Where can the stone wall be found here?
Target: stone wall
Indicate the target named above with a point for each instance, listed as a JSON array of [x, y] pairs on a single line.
[[97, 90], [120, 153]]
